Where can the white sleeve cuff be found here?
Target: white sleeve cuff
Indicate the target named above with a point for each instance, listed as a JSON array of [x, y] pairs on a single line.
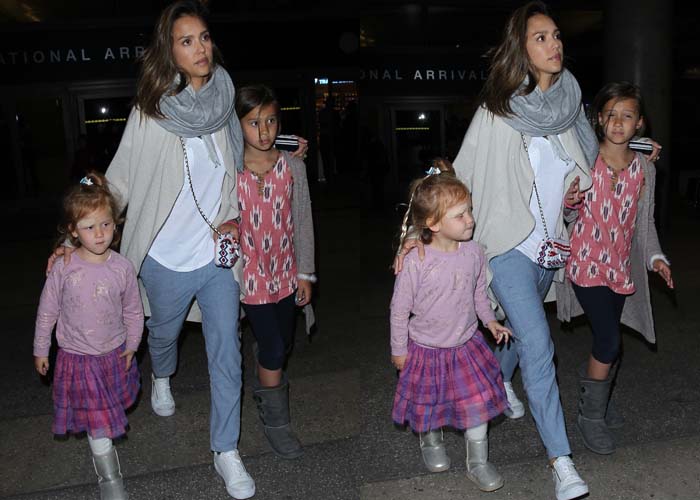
[[658, 256]]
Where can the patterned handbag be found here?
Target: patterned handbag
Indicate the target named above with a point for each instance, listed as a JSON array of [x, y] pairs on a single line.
[[228, 249], [552, 253]]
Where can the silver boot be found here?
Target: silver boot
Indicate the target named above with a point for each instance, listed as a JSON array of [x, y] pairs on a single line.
[[109, 476], [432, 448], [479, 469]]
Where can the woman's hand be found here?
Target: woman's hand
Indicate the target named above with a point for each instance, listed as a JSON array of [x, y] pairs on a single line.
[[656, 152], [574, 195], [664, 270], [398, 361], [41, 364], [304, 289], [129, 355], [302, 149], [65, 251], [499, 332], [227, 228], [408, 245]]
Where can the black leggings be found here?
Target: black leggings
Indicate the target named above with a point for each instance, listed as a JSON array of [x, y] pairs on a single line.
[[603, 307], [273, 327]]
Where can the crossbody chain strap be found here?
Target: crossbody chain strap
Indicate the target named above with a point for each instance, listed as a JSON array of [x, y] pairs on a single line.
[[189, 179], [534, 184]]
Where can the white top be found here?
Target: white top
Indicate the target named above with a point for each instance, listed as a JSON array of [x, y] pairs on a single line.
[[185, 243], [550, 172]]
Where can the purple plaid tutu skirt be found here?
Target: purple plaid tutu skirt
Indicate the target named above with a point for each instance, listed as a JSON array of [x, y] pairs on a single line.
[[460, 387], [90, 393]]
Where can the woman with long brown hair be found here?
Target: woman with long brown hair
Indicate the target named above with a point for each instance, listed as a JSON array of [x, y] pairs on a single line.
[[176, 169], [526, 156], [528, 141]]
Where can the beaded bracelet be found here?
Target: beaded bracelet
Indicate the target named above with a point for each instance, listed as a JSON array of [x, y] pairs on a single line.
[[307, 277], [572, 207]]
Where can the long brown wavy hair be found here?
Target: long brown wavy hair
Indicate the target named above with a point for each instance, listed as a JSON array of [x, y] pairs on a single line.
[[510, 63], [158, 68]]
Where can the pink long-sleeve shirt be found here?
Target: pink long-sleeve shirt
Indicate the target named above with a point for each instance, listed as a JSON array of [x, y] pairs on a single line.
[[95, 307], [446, 293]]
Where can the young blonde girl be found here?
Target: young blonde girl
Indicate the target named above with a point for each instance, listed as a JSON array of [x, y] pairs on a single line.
[[449, 377], [613, 245], [94, 303], [277, 240]]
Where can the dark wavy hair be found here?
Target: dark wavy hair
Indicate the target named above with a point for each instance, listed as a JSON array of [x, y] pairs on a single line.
[[509, 62], [158, 68], [82, 199], [251, 96], [619, 91]]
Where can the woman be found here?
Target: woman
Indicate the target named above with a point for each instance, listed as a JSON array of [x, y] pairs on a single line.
[[530, 131], [176, 169]]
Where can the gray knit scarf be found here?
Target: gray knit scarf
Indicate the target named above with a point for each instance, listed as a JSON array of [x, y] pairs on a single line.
[[553, 112], [200, 114]]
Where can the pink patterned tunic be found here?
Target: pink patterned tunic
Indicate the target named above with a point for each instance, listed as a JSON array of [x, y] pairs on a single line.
[[602, 237], [267, 229]]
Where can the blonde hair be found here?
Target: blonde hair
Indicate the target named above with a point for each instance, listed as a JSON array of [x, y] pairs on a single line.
[[430, 199], [92, 193]]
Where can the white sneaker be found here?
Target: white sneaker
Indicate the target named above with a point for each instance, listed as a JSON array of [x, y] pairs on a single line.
[[228, 465], [517, 408], [162, 400], [567, 483]]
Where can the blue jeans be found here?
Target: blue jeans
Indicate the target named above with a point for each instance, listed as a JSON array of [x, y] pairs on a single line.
[[520, 286], [170, 294]]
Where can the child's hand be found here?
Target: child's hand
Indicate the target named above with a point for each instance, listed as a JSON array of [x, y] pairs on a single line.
[[41, 364], [62, 250], [499, 332], [408, 245], [574, 195], [304, 289], [662, 268], [302, 149], [398, 361], [129, 355]]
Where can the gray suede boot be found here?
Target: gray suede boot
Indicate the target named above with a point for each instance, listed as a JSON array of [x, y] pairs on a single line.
[[109, 476], [613, 417], [479, 469], [273, 408], [592, 404], [432, 449]]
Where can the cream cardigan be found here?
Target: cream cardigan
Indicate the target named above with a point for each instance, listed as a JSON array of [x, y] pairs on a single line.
[[494, 165], [146, 174]]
